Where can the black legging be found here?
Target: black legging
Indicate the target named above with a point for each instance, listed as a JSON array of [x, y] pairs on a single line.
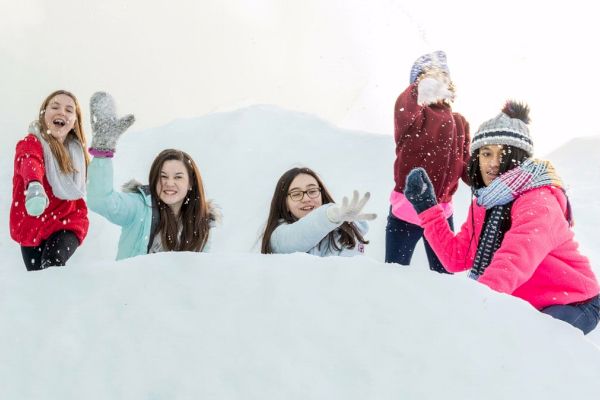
[[54, 251]]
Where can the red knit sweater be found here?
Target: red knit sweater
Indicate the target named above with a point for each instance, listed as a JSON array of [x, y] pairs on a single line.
[[432, 137], [60, 214]]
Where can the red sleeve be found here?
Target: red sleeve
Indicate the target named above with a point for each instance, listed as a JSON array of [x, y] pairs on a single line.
[[29, 160], [466, 153], [525, 245], [454, 251], [407, 113]]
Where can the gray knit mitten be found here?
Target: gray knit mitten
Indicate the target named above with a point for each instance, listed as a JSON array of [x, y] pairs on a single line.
[[419, 190], [106, 127]]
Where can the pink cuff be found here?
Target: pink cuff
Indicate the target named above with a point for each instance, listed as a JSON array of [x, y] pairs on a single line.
[[404, 210], [101, 153]]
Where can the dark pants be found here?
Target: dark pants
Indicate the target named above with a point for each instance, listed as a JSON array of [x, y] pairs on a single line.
[[584, 316], [54, 251], [401, 238]]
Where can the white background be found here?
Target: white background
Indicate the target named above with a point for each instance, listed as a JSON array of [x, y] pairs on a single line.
[[345, 61]]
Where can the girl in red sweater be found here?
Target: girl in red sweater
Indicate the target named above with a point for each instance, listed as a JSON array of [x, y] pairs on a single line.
[[517, 238], [48, 215], [429, 135]]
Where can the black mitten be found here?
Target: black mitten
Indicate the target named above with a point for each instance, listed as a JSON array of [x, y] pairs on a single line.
[[419, 190]]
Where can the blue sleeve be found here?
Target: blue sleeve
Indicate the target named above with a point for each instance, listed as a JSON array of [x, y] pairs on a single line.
[[304, 234], [208, 244], [362, 226], [119, 208]]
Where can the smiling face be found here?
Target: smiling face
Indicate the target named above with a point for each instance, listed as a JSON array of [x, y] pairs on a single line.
[[303, 182], [490, 158], [173, 185], [60, 116]]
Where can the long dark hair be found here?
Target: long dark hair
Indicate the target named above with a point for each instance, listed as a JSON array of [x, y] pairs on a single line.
[[194, 213], [279, 211], [512, 158]]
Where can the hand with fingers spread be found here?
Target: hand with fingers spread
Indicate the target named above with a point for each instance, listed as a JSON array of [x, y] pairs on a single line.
[[419, 190], [350, 210], [106, 127]]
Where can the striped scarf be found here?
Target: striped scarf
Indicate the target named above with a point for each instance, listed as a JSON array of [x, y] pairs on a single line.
[[531, 174], [496, 198]]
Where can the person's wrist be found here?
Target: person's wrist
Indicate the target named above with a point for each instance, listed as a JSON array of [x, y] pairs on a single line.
[[421, 206], [101, 153]]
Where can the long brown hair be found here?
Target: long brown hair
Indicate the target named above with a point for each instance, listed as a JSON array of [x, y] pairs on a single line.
[[349, 234], [194, 213], [58, 149]]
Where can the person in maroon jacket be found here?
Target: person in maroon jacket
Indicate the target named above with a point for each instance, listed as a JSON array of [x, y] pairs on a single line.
[[428, 135], [48, 215]]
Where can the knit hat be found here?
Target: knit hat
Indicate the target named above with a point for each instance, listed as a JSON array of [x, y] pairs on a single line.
[[508, 128], [437, 59]]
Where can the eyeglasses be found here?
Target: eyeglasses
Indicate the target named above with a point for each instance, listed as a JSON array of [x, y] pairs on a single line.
[[298, 195]]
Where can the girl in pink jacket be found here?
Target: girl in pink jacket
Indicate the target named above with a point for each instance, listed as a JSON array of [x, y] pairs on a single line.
[[517, 238]]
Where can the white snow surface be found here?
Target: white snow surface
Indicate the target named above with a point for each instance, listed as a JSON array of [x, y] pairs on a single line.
[[235, 324]]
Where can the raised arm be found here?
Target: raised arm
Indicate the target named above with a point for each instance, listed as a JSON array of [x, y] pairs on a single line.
[[119, 208]]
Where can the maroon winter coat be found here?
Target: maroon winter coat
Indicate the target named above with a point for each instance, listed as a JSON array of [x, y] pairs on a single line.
[[60, 214], [432, 137]]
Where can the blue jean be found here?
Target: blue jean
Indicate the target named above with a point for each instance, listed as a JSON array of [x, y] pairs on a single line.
[[401, 238], [584, 315]]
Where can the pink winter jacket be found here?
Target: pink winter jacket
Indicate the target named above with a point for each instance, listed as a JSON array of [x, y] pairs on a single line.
[[538, 259]]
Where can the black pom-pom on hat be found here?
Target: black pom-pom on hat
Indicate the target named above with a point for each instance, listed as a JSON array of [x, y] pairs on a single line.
[[507, 128], [517, 109]]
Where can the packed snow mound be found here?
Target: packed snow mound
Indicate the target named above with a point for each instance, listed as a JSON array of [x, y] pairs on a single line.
[[237, 324], [241, 154], [251, 326]]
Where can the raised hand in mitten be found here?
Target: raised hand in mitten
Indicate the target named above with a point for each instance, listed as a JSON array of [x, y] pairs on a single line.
[[434, 86], [350, 210], [106, 127], [419, 190], [36, 200]]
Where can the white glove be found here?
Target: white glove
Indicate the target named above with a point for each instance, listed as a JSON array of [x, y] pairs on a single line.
[[350, 211], [433, 89]]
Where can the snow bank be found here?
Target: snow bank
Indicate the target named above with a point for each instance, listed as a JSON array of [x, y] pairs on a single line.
[[231, 326]]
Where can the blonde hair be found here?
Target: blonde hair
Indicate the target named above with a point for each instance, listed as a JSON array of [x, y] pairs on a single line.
[[58, 150]]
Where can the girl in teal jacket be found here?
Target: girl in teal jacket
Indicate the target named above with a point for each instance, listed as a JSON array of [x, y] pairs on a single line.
[[169, 214]]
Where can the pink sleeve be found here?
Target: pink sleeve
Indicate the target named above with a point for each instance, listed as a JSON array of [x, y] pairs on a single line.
[[454, 251], [525, 245]]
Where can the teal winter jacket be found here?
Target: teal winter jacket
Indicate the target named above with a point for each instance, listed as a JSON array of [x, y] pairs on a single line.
[[131, 209]]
